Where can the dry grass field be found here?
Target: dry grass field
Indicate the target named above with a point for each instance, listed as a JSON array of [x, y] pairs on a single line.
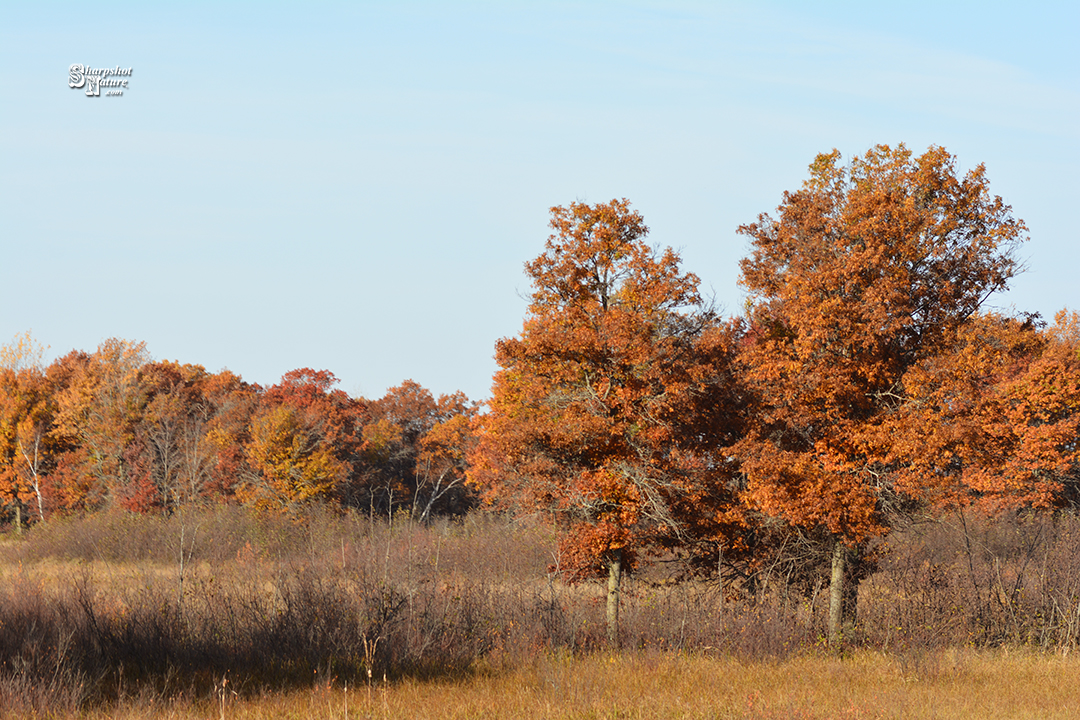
[[944, 684], [341, 617]]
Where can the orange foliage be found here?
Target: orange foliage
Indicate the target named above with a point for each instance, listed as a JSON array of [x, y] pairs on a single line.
[[612, 409], [865, 274], [413, 453], [996, 419], [301, 440], [99, 409]]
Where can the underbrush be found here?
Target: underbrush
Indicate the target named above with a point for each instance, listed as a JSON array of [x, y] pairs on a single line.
[[215, 604]]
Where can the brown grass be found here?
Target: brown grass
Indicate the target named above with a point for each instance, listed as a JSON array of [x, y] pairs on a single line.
[[944, 684], [268, 618]]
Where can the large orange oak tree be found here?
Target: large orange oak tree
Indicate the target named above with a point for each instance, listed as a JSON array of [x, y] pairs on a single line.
[[865, 271]]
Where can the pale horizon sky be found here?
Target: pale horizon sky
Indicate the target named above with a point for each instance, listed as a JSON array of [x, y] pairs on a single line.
[[356, 186]]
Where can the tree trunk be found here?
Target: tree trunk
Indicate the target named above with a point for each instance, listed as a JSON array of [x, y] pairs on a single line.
[[35, 480], [614, 564], [853, 568], [720, 578], [836, 594], [40, 504], [18, 517]]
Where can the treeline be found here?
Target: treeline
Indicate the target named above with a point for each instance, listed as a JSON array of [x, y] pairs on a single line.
[[863, 386], [115, 429]]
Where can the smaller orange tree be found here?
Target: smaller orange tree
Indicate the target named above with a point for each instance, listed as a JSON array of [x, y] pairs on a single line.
[[995, 421], [611, 411], [413, 453]]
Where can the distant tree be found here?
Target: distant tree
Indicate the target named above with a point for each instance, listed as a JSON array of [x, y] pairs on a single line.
[[612, 410], [228, 431], [302, 438], [23, 353], [99, 408], [68, 487], [393, 426], [174, 452], [413, 453], [27, 407], [442, 461], [866, 272]]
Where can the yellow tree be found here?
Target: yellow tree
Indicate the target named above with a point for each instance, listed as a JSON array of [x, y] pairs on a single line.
[[611, 410], [866, 271], [292, 463], [301, 441]]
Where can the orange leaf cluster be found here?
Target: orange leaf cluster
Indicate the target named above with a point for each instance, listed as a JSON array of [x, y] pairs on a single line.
[[867, 274], [612, 409], [115, 429]]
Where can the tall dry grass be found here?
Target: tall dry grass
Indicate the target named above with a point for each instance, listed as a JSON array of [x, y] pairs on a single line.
[[960, 684], [225, 608]]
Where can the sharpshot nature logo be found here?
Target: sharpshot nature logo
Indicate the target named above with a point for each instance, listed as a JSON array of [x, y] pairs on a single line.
[[114, 80]]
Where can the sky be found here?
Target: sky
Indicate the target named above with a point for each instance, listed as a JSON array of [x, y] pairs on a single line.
[[356, 186]]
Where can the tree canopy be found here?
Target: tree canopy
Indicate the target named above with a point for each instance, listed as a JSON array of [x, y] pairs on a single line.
[[866, 272], [612, 409]]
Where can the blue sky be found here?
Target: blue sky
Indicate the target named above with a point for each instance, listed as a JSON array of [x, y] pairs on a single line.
[[356, 186]]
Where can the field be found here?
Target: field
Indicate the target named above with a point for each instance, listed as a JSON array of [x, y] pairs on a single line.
[[227, 614], [947, 684]]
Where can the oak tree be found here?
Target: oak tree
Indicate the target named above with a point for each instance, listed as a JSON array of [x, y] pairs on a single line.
[[994, 422], [865, 272], [611, 409]]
